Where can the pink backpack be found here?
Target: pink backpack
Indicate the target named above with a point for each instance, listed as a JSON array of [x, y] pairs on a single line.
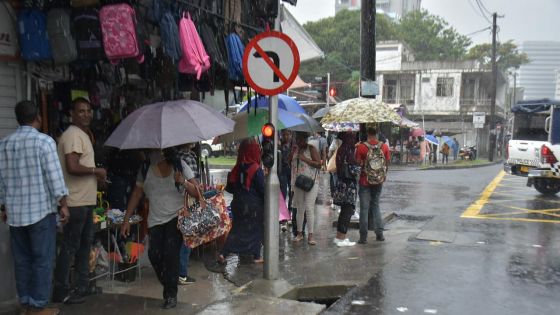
[[118, 25], [194, 60]]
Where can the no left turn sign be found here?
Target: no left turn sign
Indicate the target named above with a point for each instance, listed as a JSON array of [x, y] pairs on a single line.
[[271, 63]]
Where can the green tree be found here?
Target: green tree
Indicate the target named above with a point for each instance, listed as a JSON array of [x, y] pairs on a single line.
[[431, 38], [507, 55]]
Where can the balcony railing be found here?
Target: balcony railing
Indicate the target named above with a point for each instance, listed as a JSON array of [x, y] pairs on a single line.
[[475, 102], [398, 101]]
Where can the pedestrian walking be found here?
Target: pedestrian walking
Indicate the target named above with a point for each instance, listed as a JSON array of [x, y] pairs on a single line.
[[306, 163], [164, 184], [76, 155], [456, 148], [285, 171], [345, 195], [373, 156], [333, 147], [246, 183], [424, 150], [31, 187]]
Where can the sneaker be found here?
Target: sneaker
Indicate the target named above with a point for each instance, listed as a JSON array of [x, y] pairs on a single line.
[[345, 243], [75, 297], [284, 227], [336, 241], [186, 280]]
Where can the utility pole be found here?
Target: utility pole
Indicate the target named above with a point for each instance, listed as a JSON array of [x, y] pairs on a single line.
[[328, 89], [367, 53], [492, 138]]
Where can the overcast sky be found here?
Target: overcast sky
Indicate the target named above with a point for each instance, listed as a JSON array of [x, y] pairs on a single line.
[[524, 19]]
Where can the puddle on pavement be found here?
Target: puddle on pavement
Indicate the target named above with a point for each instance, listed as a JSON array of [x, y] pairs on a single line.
[[406, 222], [322, 294]]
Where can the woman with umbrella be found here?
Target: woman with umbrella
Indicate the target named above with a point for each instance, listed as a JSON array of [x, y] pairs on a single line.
[[305, 162], [346, 189], [246, 183], [164, 183]]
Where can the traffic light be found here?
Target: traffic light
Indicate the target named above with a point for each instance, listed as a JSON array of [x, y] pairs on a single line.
[[267, 156], [332, 91], [321, 84]]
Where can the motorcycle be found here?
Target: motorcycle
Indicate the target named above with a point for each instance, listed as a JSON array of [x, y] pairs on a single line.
[[468, 153]]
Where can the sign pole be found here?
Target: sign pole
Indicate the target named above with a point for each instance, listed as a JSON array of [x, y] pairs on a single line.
[[272, 189]]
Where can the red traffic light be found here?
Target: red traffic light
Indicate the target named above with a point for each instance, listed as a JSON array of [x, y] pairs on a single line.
[[268, 130], [333, 91]]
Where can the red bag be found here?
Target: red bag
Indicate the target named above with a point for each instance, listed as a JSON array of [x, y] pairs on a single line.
[[223, 227], [118, 25]]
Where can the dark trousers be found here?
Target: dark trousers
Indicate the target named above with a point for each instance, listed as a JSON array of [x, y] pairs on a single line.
[[165, 246], [285, 178], [33, 249], [294, 222], [445, 158], [76, 244], [346, 213]]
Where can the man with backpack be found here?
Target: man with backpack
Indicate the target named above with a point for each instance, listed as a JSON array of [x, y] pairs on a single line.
[[374, 157]]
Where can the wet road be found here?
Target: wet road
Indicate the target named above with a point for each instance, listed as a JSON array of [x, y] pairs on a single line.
[[485, 244]]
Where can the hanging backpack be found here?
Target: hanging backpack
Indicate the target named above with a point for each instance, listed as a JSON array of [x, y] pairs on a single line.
[[62, 41], [210, 41], [375, 166], [170, 37], [87, 29], [265, 8], [33, 37], [235, 49], [195, 60], [118, 26]]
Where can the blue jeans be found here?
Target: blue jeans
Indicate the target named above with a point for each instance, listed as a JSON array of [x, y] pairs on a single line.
[[76, 244], [33, 248], [370, 214], [184, 261]]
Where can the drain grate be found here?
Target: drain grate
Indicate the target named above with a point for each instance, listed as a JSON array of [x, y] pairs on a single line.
[[319, 294]]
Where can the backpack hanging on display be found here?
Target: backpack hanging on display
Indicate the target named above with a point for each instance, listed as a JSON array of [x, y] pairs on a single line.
[[170, 37], [210, 41], [118, 26], [33, 37], [195, 60], [375, 166], [87, 29], [62, 41], [235, 49]]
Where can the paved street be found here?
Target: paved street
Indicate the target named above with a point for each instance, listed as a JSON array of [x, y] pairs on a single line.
[[456, 245]]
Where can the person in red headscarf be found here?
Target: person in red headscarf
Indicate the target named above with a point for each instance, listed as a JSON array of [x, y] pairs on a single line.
[[246, 183]]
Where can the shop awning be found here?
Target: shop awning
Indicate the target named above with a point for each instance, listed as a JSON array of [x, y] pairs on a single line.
[[308, 49]]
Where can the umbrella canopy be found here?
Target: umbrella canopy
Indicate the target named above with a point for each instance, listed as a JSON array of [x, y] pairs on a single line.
[[321, 112], [340, 127], [250, 124], [405, 122], [167, 124], [361, 110], [417, 132], [284, 102], [432, 139], [310, 125], [448, 140]]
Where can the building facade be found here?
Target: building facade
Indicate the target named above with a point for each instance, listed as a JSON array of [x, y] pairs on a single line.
[[441, 96], [557, 94], [538, 76], [393, 8]]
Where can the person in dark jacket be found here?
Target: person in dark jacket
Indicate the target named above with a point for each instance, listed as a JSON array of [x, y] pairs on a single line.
[[246, 183]]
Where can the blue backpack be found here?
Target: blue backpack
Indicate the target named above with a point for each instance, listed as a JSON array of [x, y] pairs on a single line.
[[33, 37], [170, 37], [235, 50]]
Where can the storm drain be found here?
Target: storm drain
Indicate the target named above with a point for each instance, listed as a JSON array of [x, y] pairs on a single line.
[[321, 294]]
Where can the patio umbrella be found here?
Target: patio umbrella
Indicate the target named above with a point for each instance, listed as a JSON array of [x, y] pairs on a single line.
[[417, 132], [284, 102], [361, 110], [405, 122], [321, 112], [310, 125], [250, 124], [431, 139], [167, 124]]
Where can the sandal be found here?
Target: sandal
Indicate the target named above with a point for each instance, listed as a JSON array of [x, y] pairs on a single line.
[[298, 239], [311, 242], [259, 261]]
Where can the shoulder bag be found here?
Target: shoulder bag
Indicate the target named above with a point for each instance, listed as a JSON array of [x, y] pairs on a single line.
[[305, 182], [195, 221]]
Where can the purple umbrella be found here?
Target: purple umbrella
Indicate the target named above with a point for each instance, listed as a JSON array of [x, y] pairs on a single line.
[[167, 124]]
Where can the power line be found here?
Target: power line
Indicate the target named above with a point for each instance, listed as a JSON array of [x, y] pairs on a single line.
[[484, 7], [475, 9], [482, 11], [479, 31]]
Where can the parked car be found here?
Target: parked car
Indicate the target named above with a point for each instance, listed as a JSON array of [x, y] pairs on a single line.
[[208, 148]]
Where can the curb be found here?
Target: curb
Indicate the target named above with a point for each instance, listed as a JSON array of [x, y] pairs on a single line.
[[459, 166], [355, 224]]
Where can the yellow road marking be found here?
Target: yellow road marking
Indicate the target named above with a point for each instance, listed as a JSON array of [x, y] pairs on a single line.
[[482, 216], [474, 209]]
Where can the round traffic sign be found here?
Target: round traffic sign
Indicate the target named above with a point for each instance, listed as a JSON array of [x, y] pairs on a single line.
[[271, 62]]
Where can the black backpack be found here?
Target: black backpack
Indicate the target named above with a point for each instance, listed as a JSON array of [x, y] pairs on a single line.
[[210, 41], [89, 39]]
